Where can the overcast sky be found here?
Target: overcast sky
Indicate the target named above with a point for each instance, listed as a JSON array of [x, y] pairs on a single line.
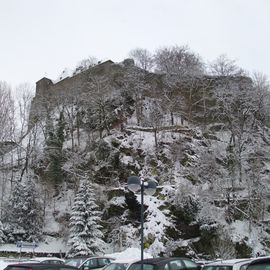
[[42, 37]]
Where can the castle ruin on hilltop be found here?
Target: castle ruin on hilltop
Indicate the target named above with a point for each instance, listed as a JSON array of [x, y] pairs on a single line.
[[49, 94]]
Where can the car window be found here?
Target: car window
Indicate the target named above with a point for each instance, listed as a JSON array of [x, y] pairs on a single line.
[[74, 262], [244, 266], [217, 267], [53, 261], [148, 267], [116, 266], [190, 263], [91, 264], [137, 266], [103, 261], [261, 266], [176, 265]]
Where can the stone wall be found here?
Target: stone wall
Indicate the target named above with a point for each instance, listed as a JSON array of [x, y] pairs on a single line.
[[48, 94]]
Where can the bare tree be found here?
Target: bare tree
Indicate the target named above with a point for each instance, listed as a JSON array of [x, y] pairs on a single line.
[[98, 103], [7, 113], [261, 88], [155, 118], [223, 247], [85, 64], [223, 66], [136, 84], [24, 93], [143, 58], [238, 105], [69, 105], [178, 60]]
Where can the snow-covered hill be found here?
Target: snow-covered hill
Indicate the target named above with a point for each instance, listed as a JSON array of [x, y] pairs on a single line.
[[208, 153]]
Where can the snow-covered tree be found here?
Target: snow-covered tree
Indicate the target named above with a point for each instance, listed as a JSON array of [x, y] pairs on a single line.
[[2, 234], [54, 144], [24, 94], [85, 64], [143, 58], [23, 212], [178, 60], [6, 113], [155, 118], [135, 83], [98, 103], [85, 230], [223, 66]]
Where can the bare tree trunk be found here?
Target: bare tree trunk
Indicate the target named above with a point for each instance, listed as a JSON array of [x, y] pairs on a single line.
[[172, 118]]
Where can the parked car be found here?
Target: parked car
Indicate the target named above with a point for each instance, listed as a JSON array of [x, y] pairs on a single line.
[[8, 261], [53, 260], [259, 264], [39, 266], [234, 264], [89, 263], [163, 263], [119, 265]]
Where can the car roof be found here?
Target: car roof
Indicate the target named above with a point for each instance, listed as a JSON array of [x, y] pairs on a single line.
[[260, 260], [124, 261], [228, 262], [40, 259], [40, 265], [162, 259], [46, 258], [88, 257], [80, 257]]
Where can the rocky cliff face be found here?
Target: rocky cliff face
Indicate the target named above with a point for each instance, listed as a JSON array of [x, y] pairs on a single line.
[[205, 146]]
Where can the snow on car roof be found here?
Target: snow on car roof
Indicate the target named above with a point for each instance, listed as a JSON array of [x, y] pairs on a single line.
[[125, 261], [228, 262]]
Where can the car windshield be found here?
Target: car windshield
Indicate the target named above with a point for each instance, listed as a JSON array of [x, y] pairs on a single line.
[[75, 261], [218, 267], [116, 266], [137, 266], [261, 266], [244, 266]]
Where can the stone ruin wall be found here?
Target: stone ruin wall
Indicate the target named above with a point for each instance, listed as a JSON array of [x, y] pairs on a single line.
[[48, 92]]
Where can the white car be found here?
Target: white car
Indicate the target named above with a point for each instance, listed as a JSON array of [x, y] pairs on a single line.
[[119, 265], [89, 263], [53, 260]]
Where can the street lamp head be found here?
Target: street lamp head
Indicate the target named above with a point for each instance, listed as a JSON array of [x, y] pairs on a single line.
[[134, 183], [150, 187]]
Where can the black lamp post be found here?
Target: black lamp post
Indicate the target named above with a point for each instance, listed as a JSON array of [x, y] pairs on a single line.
[[135, 184]]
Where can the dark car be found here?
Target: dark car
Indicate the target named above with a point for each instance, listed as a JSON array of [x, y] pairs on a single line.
[[89, 263], [173, 263], [233, 264], [260, 264], [39, 266]]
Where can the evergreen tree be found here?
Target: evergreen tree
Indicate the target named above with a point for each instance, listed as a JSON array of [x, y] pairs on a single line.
[[32, 210], [85, 231], [54, 142], [23, 212], [2, 234]]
